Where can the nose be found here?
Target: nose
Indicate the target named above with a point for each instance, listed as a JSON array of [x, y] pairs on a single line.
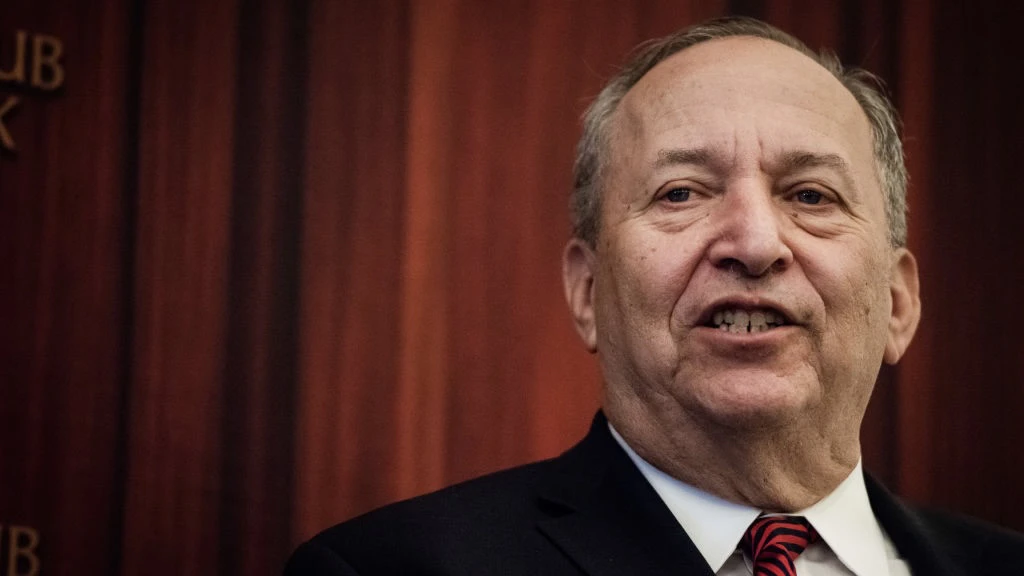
[[749, 236]]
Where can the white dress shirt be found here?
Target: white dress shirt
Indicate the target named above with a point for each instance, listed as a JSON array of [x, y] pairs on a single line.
[[852, 542]]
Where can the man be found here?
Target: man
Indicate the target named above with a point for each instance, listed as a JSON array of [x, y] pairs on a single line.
[[739, 267]]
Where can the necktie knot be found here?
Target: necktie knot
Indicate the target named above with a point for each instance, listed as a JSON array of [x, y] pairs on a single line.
[[774, 542]]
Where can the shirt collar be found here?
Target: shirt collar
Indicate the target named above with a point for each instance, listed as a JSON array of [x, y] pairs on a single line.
[[843, 518], [846, 523]]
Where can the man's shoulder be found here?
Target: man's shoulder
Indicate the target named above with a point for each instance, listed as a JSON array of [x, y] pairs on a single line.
[[485, 498], [938, 541], [473, 523], [968, 541]]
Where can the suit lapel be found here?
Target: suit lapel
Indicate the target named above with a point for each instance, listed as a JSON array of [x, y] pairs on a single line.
[[604, 515], [911, 535]]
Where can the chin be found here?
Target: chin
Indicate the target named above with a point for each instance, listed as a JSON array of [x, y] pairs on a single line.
[[752, 417], [754, 400]]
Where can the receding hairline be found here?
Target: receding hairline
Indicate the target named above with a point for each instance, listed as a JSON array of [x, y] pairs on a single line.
[[867, 90], [719, 43], [632, 112]]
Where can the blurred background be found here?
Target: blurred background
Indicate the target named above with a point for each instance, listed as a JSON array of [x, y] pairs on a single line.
[[267, 264]]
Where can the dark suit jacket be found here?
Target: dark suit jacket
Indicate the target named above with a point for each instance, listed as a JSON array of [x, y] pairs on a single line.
[[590, 511]]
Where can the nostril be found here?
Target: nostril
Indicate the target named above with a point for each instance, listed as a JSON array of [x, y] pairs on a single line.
[[752, 267], [749, 242], [732, 265], [741, 269]]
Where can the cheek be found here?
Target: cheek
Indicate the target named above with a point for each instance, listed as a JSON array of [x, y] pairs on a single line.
[[853, 286], [655, 275], [640, 287]]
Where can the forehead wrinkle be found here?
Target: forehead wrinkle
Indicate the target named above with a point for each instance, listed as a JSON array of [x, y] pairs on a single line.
[[652, 106], [716, 156]]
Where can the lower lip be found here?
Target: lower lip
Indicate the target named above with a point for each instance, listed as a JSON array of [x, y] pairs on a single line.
[[741, 340]]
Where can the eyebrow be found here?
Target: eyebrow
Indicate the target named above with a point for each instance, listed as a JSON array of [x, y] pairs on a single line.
[[789, 162], [675, 156], [800, 159]]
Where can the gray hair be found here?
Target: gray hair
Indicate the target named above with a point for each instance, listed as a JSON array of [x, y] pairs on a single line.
[[591, 163]]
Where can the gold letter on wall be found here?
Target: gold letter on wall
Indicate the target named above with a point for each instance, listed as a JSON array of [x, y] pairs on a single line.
[[27, 551], [17, 71], [46, 53], [5, 137]]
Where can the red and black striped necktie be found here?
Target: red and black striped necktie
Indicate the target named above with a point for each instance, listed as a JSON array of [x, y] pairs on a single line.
[[774, 542]]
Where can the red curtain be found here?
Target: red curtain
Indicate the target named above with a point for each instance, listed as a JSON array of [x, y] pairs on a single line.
[[267, 265]]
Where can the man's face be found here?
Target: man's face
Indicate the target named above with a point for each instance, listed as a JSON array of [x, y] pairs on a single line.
[[742, 276]]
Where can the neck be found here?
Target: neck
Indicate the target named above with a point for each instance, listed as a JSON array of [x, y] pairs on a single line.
[[783, 468]]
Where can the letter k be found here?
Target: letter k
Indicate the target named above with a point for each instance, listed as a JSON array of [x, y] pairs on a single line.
[[5, 136]]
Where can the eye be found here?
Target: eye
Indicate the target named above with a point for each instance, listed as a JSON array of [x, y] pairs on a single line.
[[809, 197], [677, 195]]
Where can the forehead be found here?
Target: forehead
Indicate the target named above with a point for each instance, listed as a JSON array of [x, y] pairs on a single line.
[[726, 93]]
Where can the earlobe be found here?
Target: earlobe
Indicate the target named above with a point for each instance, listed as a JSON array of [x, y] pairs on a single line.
[[906, 305], [578, 281]]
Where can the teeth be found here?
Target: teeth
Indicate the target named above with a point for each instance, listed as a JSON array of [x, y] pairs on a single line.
[[742, 321], [757, 319]]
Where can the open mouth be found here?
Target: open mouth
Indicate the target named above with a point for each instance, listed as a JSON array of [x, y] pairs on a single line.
[[746, 321]]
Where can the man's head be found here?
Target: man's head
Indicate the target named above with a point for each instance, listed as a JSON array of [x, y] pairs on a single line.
[[743, 276], [593, 145]]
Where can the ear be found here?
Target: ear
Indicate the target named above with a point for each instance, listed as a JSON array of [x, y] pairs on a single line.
[[906, 305], [578, 262]]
